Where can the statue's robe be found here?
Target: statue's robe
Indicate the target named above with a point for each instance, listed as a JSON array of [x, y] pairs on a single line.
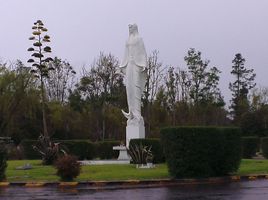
[[134, 66]]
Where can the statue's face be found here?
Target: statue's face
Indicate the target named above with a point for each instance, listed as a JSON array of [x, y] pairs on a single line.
[[133, 29]]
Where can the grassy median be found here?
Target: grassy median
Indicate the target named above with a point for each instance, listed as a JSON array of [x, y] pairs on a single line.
[[112, 172]]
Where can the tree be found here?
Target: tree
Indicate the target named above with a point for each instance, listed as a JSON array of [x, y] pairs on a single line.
[[60, 80], [244, 81], [39, 61], [204, 82], [172, 91], [101, 87], [152, 85], [15, 82]]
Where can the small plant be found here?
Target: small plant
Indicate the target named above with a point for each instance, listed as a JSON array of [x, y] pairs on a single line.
[[3, 161], [48, 149], [68, 167], [140, 154]]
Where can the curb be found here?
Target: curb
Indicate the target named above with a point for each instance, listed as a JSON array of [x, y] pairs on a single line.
[[137, 183]]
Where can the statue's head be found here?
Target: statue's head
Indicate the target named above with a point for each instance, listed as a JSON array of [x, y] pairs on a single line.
[[133, 29]]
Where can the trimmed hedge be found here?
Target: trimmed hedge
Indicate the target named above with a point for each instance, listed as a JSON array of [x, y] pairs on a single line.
[[250, 146], [83, 149], [201, 151], [157, 149], [3, 161], [105, 149], [28, 151], [264, 146]]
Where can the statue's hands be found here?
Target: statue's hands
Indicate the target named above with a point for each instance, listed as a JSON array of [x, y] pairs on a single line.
[[121, 70], [143, 69]]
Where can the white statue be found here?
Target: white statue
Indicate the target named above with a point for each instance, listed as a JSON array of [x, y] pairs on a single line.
[[134, 67]]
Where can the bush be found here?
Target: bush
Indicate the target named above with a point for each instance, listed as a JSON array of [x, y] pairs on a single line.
[[83, 149], [264, 146], [201, 151], [157, 149], [249, 146], [105, 149], [140, 154], [68, 167], [48, 149], [29, 153], [3, 161]]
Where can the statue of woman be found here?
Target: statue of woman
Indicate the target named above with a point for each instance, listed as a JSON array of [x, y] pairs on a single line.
[[134, 67]]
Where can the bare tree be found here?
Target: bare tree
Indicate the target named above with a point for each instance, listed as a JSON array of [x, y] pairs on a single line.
[[60, 81], [152, 85]]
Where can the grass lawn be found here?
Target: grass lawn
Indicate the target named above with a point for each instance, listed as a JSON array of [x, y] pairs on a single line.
[[112, 172], [249, 166], [89, 172]]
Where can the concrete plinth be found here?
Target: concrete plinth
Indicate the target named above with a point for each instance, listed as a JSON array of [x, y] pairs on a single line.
[[134, 131], [123, 155]]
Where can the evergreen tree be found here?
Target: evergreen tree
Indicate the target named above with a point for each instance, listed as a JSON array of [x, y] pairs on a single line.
[[244, 81]]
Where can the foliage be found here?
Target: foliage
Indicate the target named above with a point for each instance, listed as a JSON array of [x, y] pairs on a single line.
[[201, 151], [105, 149], [250, 146], [82, 149], [101, 88], [157, 149], [67, 167], [254, 122], [3, 161], [203, 82], [15, 99], [244, 81], [264, 146], [140, 154], [27, 147], [48, 149]]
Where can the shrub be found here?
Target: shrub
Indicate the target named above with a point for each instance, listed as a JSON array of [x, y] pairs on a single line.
[[48, 149], [264, 146], [105, 149], [157, 149], [68, 167], [249, 146], [140, 154], [201, 151], [83, 149], [27, 146], [3, 161]]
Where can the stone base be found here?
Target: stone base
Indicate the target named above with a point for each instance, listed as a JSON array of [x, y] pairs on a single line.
[[134, 131], [123, 155]]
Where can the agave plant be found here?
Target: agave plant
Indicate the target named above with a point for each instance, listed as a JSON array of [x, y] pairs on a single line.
[[140, 154], [48, 149]]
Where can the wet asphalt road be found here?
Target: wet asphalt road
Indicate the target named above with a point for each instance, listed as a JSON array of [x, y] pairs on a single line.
[[245, 190]]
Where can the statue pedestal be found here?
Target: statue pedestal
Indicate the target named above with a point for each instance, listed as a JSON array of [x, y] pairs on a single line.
[[134, 131]]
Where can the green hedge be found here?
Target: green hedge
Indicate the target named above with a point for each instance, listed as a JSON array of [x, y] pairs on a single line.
[[157, 149], [201, 151], [83, 149], [264, 146], [28, 151], [250, 146], [3, 161], [105, 149]]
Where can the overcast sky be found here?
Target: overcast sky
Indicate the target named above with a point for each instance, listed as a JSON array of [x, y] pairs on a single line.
[[80, 29]]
